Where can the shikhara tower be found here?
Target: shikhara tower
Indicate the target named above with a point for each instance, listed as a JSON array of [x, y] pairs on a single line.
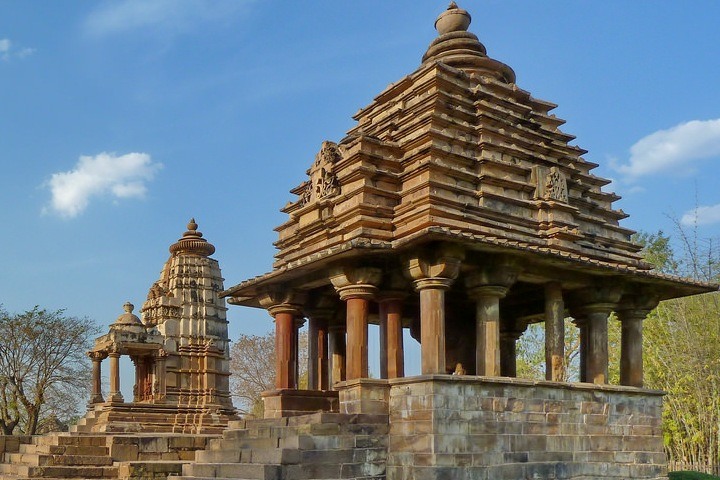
[[180, 350]]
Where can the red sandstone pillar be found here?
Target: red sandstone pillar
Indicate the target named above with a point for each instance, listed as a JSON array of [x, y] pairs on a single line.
[[337, 353], [392, 356], [554, 333], [357, 337], [317, 353], [285, 348], [356, 287], [432, 323]]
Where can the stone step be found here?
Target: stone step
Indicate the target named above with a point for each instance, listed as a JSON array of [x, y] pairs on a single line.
[[150, 470], [249, 471], [71, 439], [85, 472], [262, 455], [63, 449], [34, 459]]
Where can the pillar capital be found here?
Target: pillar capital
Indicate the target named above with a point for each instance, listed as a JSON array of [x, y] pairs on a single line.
[[97, 356], [443, 264], [365, 292], [499, 272], [435, 283], [488, 291], [355, 282], [637, 305], [597, 299], [282, 300]]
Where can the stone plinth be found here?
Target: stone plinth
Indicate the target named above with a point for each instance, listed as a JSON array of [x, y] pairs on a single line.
[[445, 426], [364, 395], [291, 402]]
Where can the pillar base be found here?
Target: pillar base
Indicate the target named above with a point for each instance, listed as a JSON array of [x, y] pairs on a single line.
[[364, 395], [116, 398], [290, 402], [98, 398]]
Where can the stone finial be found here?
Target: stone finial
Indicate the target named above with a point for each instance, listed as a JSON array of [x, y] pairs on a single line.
[[454, 19], [127, 318], [192, 243]]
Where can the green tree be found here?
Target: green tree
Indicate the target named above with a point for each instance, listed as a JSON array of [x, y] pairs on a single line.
[[680, 351], [43, 368]]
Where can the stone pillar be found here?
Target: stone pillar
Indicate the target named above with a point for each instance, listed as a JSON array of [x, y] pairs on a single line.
[[581, 324], [432, 323], [596, 358], [595, 305], [317, 352], [96, 392], [392, 355], [487, 329], [337, 353], [554, 333], [284, 305], [356, 287], [631, 351], [487, 285], [115, 395], [160, 392], [508, 352], [285, 348], [357, 334], [433, 274]]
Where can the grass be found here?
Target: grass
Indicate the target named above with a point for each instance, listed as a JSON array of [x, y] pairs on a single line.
[[691, 476]]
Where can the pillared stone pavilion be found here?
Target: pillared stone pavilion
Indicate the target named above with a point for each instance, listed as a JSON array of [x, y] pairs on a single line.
[[457, 208]]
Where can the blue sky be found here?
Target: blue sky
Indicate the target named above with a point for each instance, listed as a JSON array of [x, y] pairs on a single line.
[[119, 120]]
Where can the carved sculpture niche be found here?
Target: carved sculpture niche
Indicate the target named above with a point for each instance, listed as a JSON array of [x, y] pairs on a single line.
[[550, 184], [323, 181]]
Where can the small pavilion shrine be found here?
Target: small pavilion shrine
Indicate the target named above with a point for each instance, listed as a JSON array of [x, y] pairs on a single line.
[[180, 351], [457, 208]]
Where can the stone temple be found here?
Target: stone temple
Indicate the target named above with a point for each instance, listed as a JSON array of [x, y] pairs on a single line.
[[455, 208]]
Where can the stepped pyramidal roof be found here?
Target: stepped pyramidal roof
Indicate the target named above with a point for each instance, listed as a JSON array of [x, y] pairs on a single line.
[[455, 151]]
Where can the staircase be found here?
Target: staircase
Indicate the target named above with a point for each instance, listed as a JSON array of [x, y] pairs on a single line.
[[307, 447], [61, 456], [101, 456]]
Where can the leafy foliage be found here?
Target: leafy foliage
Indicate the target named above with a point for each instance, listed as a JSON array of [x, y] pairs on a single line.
[[681, 355], [43, 368]]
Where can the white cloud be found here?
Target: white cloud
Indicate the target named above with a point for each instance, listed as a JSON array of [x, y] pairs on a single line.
[[702, 216], [7, 50], [171, 16], [104, 174], [671, 149]]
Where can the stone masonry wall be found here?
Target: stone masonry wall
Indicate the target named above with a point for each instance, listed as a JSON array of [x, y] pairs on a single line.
[[454, 427]]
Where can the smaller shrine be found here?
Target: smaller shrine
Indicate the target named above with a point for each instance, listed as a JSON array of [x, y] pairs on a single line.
[[180, 350]]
